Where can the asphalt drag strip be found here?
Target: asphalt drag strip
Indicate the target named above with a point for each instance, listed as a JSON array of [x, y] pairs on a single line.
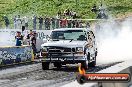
[[33, 76]]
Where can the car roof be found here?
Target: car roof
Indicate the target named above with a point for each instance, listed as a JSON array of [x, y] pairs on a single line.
[[64, 29]]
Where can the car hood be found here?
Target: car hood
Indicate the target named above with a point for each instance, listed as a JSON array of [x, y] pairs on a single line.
[[65, 43]]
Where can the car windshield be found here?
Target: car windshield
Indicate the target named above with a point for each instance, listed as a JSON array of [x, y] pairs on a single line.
[[69, 35]]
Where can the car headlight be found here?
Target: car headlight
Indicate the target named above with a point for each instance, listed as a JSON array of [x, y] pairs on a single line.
[[79, 49], [44, 49]]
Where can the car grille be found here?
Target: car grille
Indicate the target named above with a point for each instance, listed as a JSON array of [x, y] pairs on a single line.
[[59, 50]]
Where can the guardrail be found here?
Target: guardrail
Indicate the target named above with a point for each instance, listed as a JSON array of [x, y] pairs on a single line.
[[124, 67]]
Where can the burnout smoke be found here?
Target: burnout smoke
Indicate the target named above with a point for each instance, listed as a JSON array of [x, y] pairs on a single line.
[[6, 39], [114, 41]]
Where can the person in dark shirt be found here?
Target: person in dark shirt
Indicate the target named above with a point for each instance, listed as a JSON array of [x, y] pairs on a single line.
[[29, 37], [47, 23], [6, 21], [19, 39], [30, 34], [40, 23], [94, 9], [53, 22], [34, 22], [69, 23], [33, 42]]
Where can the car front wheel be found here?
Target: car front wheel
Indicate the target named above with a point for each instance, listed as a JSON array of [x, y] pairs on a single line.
[[45, 65], [58, 65]]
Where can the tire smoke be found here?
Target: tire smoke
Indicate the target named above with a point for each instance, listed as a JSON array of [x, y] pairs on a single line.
[[114, 40]]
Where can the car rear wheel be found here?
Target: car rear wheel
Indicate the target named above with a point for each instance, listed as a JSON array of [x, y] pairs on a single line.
[[84, 65], [92, 64], [45, 65]]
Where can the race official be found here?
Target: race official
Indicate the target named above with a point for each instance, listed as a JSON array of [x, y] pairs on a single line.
[[33, 42], [29, 37]]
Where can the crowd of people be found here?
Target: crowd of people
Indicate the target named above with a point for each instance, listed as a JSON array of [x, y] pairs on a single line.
[[67, 13], [100, 11], [61, 20], [46, 23], [64, 18], [67, 19]]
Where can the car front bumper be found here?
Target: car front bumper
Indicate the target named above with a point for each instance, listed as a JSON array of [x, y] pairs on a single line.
[[65, 58]]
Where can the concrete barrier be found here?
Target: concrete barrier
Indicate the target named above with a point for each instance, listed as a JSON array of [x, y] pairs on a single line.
[[124, 84], [15, 54], [124, 67]]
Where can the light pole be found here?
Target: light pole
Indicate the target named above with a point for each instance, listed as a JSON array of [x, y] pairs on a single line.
[[76, 5]]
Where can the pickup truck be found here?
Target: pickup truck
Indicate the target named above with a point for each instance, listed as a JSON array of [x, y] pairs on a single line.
[[69, 46]]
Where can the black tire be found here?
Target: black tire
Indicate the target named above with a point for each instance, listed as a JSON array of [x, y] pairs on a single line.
[[81, 79], [84, 65], [92, 64], [58, 65], [45, 65]]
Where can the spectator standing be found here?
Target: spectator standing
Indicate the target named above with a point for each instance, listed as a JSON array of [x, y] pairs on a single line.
[[67, 12], [57, 23], [80, 24], [6, 21], [19, 39], [59, 14], [87, 25], [23, 23], [47, 23], [77, 24], [94, 8], [34, 22], [40, 23], [26, 22], [73, 23], [19, 22], [15, 22], [69, 23], [63, 22], [102, 13], [53, 22], [74, 14], [64, 13]]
